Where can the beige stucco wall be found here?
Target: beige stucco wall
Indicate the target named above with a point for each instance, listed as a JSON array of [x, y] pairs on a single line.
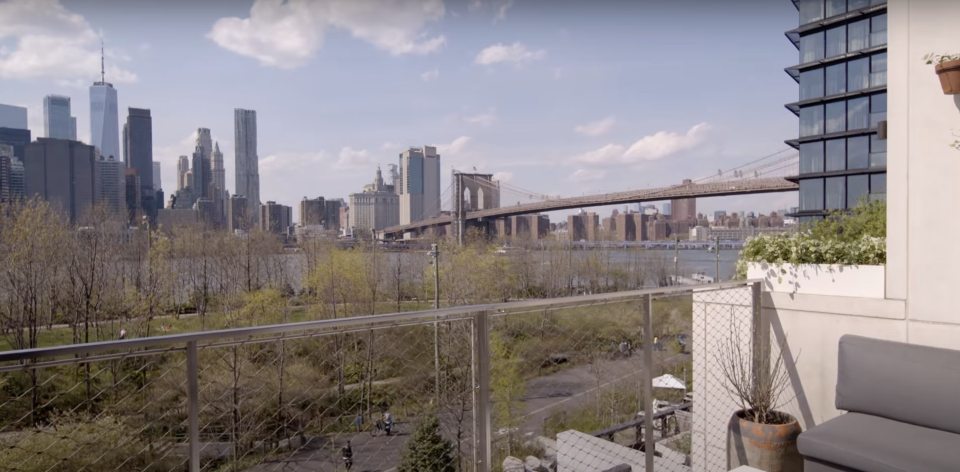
[[923, 172]]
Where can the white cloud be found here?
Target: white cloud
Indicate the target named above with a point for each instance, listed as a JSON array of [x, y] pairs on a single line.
[[597, 128], [53, 42], [287, 33], [502, 9], [665, 143], [503, 176], [455, 147], [482, 119], [353, 158], [432, 74], [608, 153], [516, 53], [648, 148], [587, 175], [389, 145]]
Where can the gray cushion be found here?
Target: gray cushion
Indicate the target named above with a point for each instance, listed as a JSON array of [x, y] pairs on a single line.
[[875, 444], [905, 382]]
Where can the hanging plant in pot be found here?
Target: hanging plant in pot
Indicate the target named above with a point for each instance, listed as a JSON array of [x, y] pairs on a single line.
[[758, 434], [947, 67]]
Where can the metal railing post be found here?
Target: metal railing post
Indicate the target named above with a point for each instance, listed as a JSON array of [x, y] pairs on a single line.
[[481, 392], [648, 441], [760, 334], [193, 406]]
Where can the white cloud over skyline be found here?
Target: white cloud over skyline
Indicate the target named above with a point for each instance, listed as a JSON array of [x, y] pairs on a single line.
[[515, 53], [596, 128], [482, 119], [430, 75], [648, 148], [287, 33], [52, 42]]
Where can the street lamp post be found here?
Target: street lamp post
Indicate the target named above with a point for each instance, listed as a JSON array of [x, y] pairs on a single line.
[[435, 254]]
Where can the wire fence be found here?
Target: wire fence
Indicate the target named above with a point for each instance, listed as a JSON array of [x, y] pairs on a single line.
[[578, 383]]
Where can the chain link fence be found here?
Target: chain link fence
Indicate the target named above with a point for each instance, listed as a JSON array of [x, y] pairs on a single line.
[[578, 383]]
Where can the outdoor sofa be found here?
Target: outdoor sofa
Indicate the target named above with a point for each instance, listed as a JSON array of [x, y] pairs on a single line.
[[903, 411]]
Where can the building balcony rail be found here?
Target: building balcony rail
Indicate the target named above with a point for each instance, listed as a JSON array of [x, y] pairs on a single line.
[[525, 378]]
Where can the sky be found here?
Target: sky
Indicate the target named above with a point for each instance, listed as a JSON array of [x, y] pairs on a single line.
[[558, 97]]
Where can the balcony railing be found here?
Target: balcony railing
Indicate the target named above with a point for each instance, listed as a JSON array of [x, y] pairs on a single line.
[[553, 379]]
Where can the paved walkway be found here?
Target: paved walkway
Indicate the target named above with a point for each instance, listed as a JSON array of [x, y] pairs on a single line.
[[379, 453], [571, 389], [568, 389]]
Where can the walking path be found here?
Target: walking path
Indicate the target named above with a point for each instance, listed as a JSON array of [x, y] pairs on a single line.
[[568, 389]]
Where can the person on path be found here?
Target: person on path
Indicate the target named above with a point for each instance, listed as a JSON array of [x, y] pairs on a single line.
[[388, 422], [347, 453], [358, 422]]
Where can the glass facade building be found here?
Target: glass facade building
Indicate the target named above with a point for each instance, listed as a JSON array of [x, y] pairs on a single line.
[[104, 121], [57, 121], [842, 103]]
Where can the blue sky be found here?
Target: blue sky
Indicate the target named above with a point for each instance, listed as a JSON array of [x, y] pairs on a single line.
[[560, 97]]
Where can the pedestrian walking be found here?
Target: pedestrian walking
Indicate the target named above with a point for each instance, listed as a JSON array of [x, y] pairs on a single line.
[[358, 422], [387, 422], [347, 455]]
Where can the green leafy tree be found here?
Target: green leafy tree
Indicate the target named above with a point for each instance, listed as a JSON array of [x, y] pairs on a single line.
[[428, 451]]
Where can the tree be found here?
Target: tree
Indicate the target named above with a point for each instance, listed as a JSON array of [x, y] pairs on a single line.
[[507, 385], [428, 451]]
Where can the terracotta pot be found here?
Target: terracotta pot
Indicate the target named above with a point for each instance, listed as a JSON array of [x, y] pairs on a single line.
[[949, 73], [768, 447]]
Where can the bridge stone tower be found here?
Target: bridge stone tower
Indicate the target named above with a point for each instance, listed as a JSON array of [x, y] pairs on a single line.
[[472, 191]]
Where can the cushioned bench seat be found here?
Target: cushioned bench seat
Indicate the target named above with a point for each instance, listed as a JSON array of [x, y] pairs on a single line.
[[903, 404], [872, 443]]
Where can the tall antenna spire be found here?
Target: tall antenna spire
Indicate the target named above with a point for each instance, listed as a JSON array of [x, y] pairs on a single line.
[[102, 68]]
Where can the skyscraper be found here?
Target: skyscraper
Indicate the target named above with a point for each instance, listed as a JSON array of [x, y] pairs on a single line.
[[183, 169], [842, 106], [245, 148], [13, 117], [57, 121], [201, 173], [110, 183], [221, 196], [104, 121], [138, 155], [16, 137], [375, 208], [419, 187], [61, 172], [275, 218], [6, 173], [237, 214], [205, 142], [219, 174], [312, 211], [157, 184], [683, 209]]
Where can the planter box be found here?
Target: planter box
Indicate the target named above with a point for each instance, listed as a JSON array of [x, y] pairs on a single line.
[[865, 281], [949, 74]]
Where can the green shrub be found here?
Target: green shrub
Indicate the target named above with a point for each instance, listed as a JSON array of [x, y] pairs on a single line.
[[76, 442], [427, 450], [855, 238]]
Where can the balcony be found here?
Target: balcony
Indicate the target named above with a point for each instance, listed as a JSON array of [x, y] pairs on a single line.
[[577, 382]]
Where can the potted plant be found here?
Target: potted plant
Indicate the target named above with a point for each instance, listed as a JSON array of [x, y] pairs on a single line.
[[947, 67], [758, 434]]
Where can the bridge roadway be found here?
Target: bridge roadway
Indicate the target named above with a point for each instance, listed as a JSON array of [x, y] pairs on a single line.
[[692, 190]]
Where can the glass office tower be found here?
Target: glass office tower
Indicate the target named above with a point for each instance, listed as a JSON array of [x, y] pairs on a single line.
[[842, 103]]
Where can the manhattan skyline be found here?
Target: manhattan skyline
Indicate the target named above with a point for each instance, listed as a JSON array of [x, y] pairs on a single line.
[[564, 99]]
